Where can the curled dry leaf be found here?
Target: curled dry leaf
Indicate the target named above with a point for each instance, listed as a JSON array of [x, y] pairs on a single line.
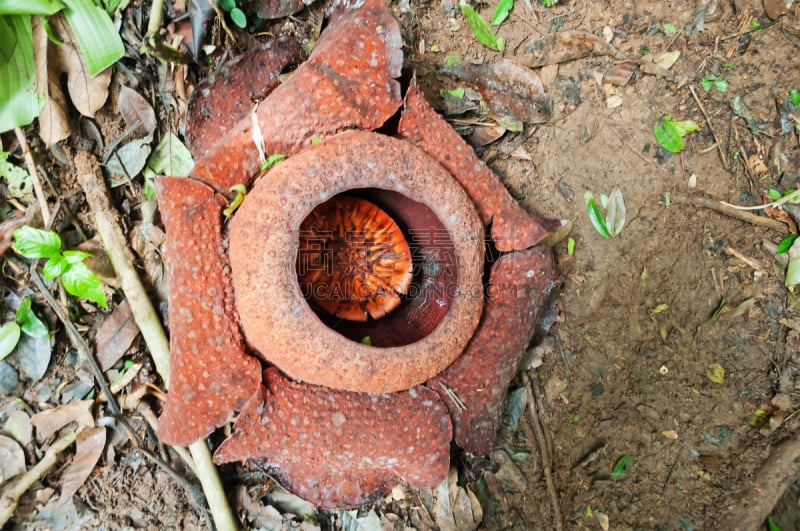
[[136, 110], [8, 227], [509, 89], [12, 458], [87, 93], [49, 421], [88, 448], [53, 121], [564, 46], [620, 74], [115, 335]]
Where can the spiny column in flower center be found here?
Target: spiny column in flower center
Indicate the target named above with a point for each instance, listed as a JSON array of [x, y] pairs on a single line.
[[353, 260]]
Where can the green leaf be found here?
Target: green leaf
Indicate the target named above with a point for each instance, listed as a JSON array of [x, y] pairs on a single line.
[[615, 212], [794, 97], [55, 267], [36, 243], [621, 467], [28, 322], [721, 84], [456, 92], [570, 246], [79, 280], [706, 83], [19, 102], [366, 340], [227, 5], [669, 29], [501, 11], [786, 244], [450, 60], [30, 7], [19, 181], [9, 337], [772, 525], [669, 133], [774, 194], [240, 193], [596, 217], [97, 37], [238, 17], [715, 372], [73, 257], [170, 157], [272, 160], [481, 30]]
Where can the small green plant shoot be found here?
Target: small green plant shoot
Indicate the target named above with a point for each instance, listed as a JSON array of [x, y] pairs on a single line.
[[24, 321], [718, 82], [609, 224], [501, 12], [794, 96], [237, 15], [669, 29], [670, 133], [240, 191], [621, 467], [482, 31], [549, 3], [75, 276], [457, 93]]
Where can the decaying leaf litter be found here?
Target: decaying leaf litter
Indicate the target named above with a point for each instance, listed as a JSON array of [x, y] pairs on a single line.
[[622, 380]]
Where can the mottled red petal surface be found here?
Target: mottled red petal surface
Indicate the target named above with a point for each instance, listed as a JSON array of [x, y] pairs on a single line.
[[210, 373], [342, 449], [512, 227], [264, 249], [348, 82], [520, 284], [229, 95]]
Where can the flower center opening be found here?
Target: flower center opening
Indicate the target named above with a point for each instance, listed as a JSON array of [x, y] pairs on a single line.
[[353, 260]]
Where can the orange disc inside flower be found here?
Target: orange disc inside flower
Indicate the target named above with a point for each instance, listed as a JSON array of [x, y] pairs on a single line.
[[353, 260]]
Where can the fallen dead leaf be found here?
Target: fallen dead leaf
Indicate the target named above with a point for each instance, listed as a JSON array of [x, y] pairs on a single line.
[[89, 446], [620, 74], [8, 227], [485, 134], [564, 46], [12, 458], [115, 335], [508, 88], [49, 421], [88, 94], [53, 120], [136, 110]]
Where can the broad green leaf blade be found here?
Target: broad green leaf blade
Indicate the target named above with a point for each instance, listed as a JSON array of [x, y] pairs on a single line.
[[19, 102], [36, 243], [615, 213], [238, 17], [502, 11], [30, 7], [9, 337], [482, 31], [55, 267], [170, 157], [596, 217], [786, 244], [28, 322], [97, 37], [793, 269], [73, 257], [668, 135], [685, 127], [79, 280]]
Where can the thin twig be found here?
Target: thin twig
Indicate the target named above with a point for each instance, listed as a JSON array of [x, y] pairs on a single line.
[[710, 126], [750, 30], [547, 458], [14, 491], [722, 208], [91, 180], [37, 183]]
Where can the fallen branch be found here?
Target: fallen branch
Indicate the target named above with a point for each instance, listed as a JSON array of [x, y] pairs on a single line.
[[753, 505], [91, 180], [17, 487], [724, 208]]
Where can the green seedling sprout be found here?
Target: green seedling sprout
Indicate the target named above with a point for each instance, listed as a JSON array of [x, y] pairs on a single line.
[[482, 31], [670, 133], [611, 223], [501, 11], [621, 467], [68, 266], [240, 191], [718, 82], [237, 15]]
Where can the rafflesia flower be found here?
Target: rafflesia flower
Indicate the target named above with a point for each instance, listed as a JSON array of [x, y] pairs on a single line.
[[371, 298]]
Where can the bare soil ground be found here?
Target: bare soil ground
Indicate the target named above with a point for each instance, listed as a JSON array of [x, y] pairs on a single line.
[[624, 371]]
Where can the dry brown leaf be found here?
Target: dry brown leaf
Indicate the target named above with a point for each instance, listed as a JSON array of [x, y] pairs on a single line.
[[509, 89], [115, 335], [87, 93], [8, 227], [136, 110], [620, 74], [12, 458], [486, 134], [49, 421], [53, 121], [88, 448], [564, 46]]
